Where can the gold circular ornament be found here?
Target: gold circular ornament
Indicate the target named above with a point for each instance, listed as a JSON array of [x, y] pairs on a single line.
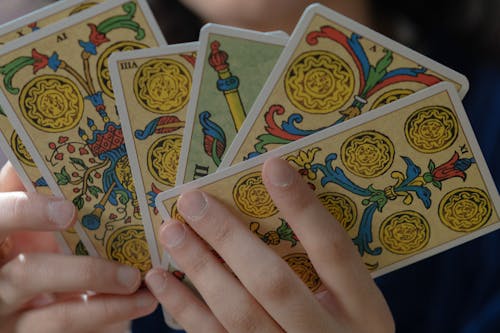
[[431, 129], [465, 209], [51, 103], [341, 207], [319, 82], [391, 96], [404, 232], [304, 268], [162, 85], [20, 150], [251, 197], [127, 245], [163, 158], [102, 63], [367, 154]]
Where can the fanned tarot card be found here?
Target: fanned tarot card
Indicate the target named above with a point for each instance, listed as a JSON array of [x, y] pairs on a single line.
[[232, 67], [406, 182], [152, 89], [333, 69], [10, 142], [56, 92]]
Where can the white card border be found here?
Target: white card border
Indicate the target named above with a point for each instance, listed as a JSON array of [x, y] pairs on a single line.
[[364, 118], [274, 38], [129, 135], [16, 123], [296, 37]]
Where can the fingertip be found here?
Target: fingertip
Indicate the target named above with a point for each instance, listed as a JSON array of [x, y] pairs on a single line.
[[279, 173], [156, 280], [61, 213]]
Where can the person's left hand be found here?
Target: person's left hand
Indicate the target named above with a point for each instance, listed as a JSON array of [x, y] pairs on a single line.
[[264, 294]]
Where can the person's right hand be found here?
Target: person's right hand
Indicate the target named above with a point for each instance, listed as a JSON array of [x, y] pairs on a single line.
[[42, 291]]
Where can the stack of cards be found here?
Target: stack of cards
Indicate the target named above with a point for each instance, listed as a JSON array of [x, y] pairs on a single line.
[[109, 117]]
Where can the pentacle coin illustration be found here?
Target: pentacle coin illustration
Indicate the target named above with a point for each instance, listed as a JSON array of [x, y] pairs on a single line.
[[367, 154], [431, 129], [465, 209], [391, 96], [319, 82], [102, 63], [404, 232], [163, 158], [303, 267], [162, 85], [20, 150], [251, 197], [341, 207], [128, 246], [51, 103]]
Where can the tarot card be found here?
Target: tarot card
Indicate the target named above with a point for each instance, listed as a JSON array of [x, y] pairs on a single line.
[[333, 69], [12, 145], [230, 71], [152, 89], [57, 93], [406, 182]]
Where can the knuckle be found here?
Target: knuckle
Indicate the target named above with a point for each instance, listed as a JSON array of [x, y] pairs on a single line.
[[199, 264], [222, 232], [277, 284], [16, 272], [241, 319], [18, 206], [87, 272]]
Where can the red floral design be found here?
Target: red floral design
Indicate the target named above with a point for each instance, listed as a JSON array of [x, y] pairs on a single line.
[[41, 60], [96, 37]]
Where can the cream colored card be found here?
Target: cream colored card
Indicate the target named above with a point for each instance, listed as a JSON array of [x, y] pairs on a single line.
[[406, 182]]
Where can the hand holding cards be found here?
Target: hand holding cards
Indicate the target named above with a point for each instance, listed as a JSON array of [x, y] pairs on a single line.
[[112, 117]]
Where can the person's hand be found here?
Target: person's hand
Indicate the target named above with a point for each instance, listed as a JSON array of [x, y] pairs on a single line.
[[264, 294], [43, 291]]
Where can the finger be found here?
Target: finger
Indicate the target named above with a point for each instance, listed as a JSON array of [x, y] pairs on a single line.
[[32, 211], [86, 315], [233, 306], [32, 274], [9, 179], [268, 278], [326, 242], [179, 301]]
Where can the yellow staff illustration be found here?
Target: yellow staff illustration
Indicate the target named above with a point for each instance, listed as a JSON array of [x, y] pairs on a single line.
[[227, 83]]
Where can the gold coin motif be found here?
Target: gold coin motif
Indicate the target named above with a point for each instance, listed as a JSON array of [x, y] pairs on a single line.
[[251, 197], [162, 85], [341, 207], [319, 82], [20, 150], [367, 154], [431, 129], [104, 76], [404, 232], [51, 103], [304, 268], [163, 158], [128, 246], [391, 96], [465, 209]]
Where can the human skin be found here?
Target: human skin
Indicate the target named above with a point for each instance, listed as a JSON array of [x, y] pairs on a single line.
[[42, 290], [264, 294]]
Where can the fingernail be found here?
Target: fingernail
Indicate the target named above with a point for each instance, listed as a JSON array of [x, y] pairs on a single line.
[[192, 205], [61, 212], [172, 234], [128, 276], [281, 175], [145, 300], [156, 281]]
